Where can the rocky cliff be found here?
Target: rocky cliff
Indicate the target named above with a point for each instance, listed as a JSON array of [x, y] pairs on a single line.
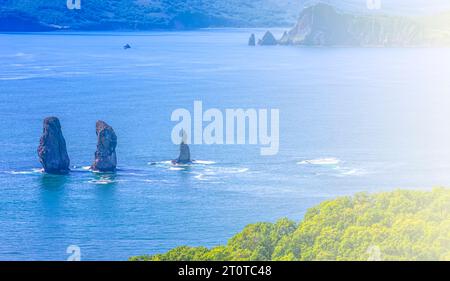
[[323, 25]]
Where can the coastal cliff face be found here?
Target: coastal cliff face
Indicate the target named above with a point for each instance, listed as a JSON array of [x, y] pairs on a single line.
[[323, 25]]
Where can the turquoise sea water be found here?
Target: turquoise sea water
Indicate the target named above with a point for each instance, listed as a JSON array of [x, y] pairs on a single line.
[[351, 120]]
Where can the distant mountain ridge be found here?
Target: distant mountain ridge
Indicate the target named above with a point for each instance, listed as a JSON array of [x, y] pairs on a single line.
[[41, 15], [45, 15]]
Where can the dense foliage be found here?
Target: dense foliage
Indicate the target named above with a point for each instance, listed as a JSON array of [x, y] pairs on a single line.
[[146, 14], [399, 225]]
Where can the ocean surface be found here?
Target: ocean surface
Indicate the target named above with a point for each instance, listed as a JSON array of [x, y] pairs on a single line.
[[351, 120]]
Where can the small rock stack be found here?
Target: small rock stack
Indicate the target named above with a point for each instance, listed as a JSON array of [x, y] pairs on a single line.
[[268, 39], [252, 40]]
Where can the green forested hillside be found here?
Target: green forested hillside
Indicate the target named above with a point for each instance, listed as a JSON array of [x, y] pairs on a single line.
[[399, 225], [146, 14]]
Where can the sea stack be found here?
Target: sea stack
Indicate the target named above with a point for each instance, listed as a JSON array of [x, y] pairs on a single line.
[[284, 40], [252, 40], [52, 149], [185, 153], [268, 39], [105, 156]]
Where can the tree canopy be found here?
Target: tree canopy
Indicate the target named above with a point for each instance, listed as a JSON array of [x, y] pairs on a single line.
[[398, 225]]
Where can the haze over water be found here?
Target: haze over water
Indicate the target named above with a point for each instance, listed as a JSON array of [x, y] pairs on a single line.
[[351, 120]]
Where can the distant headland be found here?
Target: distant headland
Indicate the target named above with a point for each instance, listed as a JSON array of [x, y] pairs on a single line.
[[323, 25]]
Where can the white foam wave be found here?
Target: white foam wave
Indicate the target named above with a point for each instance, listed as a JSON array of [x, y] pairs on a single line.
[[225, 170], [102, 181], [156, 181], [176, 168], [167, 162], [218, 172], [351, 172], [133, 174], [201, 177], [27, 172], [320, 161], [235, 170], [203, 162], [102, 173], [16, 78], [150, 181], [21, 172]]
